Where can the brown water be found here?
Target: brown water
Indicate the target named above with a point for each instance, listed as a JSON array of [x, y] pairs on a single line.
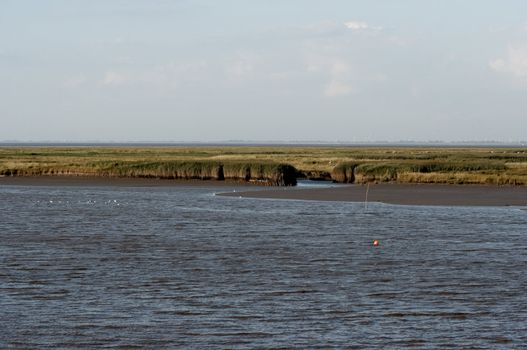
[[154, 268]]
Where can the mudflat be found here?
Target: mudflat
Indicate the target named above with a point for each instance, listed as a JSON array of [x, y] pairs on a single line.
[[418, 194], [406, 194]]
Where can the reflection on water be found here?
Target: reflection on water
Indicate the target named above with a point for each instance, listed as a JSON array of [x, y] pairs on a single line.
[[179, 267], [317, 184]]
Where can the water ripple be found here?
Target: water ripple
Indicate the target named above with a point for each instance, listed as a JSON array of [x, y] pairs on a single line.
[[164, 268]]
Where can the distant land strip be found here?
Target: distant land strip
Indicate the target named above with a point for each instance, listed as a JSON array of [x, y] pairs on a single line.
[[275, 165]]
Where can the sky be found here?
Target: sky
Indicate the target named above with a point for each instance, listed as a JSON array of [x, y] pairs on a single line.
[[273, 70]]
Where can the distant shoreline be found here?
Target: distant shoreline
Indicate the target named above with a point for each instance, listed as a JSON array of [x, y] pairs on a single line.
[[365, 144]]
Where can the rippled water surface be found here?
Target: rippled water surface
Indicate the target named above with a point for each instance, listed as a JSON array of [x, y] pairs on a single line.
[[167, 267]]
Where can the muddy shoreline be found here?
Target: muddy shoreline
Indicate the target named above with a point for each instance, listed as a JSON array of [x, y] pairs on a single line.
[[418, 194], [406, 194], [115, 181]]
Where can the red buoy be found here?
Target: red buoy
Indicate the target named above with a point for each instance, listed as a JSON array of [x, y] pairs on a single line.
[[375, 243]]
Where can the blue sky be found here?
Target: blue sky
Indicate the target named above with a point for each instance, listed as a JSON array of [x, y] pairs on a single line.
[[138, 70]]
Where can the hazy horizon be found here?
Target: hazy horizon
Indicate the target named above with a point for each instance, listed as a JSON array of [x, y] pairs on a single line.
[[380, 143], [275, 71]]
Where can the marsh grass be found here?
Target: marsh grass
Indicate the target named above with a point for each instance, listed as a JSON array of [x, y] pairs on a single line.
[[70, 163], [275, 165]]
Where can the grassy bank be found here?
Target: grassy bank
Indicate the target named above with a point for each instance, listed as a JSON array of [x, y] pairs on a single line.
[[276, 165]]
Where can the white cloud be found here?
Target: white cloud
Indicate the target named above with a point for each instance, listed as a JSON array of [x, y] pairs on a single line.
[[174, 74], [360, 26], [356, 25], [515, 62], [113, 78], [242, 67], [337, 88], [338, 73], [168, 76], [340, 68]]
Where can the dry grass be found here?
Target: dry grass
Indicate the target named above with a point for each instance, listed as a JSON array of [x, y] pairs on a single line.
[[275, 165]]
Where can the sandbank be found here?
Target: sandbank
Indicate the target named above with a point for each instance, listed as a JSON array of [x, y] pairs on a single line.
[[406, 194]]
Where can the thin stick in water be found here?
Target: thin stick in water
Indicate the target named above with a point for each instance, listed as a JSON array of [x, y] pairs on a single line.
[[366, 199]]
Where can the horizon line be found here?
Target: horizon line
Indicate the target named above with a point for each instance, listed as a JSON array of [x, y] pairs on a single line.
[[521, 143]]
